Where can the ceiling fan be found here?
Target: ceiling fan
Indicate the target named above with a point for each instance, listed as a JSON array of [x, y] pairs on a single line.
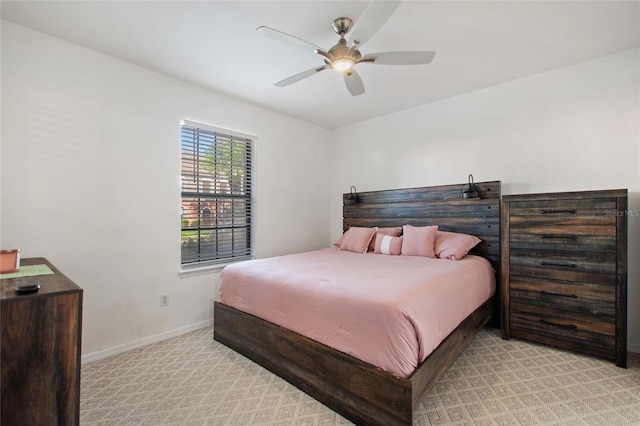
[[345, 54]]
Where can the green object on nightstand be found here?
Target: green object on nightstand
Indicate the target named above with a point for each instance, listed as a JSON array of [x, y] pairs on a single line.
[[28, 271]]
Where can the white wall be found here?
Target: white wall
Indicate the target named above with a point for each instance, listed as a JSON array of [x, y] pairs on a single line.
[[575, 128], [90, 180]]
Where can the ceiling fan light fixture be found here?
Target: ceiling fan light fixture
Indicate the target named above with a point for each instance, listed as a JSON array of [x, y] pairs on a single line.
[[342, 64]]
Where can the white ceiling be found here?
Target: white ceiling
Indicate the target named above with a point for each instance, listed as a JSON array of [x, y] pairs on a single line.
[[214, 44]]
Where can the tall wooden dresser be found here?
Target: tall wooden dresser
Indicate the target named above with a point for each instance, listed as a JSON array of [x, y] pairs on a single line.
[[564, 271], [40, 350]]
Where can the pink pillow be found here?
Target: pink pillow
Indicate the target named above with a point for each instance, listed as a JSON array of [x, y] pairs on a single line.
[[357, 239], [394, 232], [454, 246], [419, 240], [387, 244]]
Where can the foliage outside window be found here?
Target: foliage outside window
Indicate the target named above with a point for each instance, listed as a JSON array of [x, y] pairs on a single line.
[[216, 195]]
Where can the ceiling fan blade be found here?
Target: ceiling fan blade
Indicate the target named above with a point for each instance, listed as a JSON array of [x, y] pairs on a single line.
[[399, 58], [354, 83], [300, 76], [287, 38], [372, 20]]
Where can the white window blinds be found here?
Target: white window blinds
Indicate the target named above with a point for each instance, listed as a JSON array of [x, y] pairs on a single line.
[[216, 195]]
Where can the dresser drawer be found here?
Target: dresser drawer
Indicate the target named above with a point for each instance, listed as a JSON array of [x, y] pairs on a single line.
[[592, 299], [579, 332], [562, 324], [588, 267], [565, 237], [583, 212]]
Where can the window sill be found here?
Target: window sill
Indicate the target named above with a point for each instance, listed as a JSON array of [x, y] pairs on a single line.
[[199, 270], [204, 269]]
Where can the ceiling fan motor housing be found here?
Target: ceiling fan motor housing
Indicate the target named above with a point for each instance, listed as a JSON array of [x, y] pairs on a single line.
[[342, 25]]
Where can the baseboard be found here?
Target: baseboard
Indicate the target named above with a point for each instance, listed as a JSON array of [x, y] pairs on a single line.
[[96, 356], [106, 353]]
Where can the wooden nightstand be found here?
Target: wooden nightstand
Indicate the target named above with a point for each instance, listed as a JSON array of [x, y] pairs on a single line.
[[564, 271], [40, 350]]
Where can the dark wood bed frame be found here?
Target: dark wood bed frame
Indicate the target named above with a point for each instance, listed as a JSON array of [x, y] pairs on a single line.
[[359, 391]]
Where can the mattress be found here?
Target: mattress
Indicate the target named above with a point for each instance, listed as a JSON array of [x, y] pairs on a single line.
[[389, 311]]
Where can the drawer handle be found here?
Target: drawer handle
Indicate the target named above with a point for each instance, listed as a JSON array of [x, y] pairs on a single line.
[[558, 237], [571, 211], [571, 326], [564, 265], [553, 293]]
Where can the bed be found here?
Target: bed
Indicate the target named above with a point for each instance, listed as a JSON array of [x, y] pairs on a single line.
[[362, 391]]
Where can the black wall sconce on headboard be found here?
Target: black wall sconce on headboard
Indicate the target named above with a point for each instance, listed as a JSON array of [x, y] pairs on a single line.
[[472, 190], [352, 196]]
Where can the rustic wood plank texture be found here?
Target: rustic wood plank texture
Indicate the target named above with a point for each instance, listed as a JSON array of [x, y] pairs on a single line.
[[565, 260], [593, 299], [621, 280], [40, 353], [361, 392], [438, 205], [437, 363], [564, 268], [436, 193], [505, 250], [595, 349], [578, 238]]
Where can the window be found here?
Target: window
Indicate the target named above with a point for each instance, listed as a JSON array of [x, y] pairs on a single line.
[[216, 195]]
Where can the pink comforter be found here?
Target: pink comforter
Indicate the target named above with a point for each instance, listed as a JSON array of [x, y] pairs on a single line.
[[389, 311]]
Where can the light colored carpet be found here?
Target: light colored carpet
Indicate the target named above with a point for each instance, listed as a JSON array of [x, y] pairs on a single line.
[[193, 380]]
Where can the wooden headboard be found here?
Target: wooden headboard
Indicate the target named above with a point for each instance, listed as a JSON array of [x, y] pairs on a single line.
[[433, 205]]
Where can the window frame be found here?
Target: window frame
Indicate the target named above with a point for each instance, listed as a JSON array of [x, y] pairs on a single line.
[[201, 265]]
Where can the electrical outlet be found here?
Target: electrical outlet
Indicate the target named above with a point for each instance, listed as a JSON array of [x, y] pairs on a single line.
[[164, 300]]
